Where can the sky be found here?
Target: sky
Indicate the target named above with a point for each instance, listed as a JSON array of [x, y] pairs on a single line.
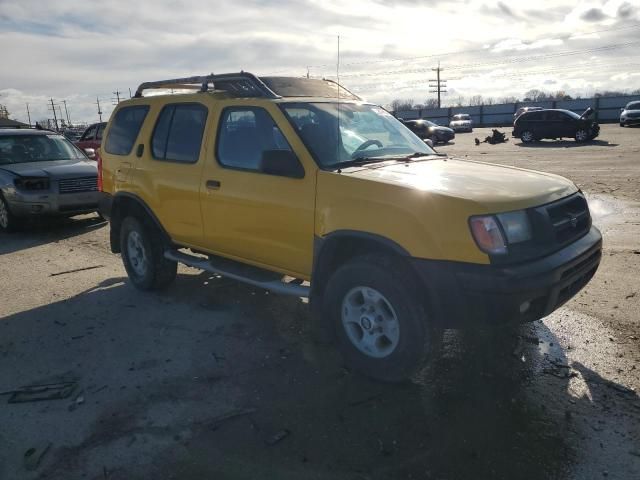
[[79, 51]]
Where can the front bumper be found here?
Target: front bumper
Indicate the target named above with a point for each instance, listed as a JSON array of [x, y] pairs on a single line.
[[630, 121], [461, 128], [37, 204], [462, 294]]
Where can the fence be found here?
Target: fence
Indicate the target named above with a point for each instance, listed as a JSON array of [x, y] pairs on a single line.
[[607, 110]]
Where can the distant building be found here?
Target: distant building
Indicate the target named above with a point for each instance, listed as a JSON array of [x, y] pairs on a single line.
[[6, 122]]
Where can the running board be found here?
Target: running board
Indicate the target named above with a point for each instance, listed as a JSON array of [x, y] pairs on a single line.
[[255, 276]]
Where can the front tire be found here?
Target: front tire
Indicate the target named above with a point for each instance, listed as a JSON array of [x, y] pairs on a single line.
[[379, 320], [582, 135], [143, 256], [8, 221]]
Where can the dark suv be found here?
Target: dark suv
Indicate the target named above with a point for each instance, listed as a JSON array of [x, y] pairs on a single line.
[[536, 125]]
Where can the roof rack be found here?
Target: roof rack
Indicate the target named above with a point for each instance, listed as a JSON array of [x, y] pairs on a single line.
[[242, 83]]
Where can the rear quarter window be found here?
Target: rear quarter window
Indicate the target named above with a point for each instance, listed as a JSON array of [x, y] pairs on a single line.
[[124, 129], [177, 135]]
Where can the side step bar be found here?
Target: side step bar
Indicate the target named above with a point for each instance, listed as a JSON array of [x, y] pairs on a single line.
[[257, 277]]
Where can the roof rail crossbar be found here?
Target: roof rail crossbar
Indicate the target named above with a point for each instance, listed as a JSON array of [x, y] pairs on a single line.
[[242, 83]]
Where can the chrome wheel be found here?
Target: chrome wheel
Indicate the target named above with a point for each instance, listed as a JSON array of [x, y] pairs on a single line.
[[370, 322], [527, 137], [136, 253], [4, 214], [582, 135]]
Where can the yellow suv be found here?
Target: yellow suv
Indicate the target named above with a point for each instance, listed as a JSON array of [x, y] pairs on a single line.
[[299, 187]]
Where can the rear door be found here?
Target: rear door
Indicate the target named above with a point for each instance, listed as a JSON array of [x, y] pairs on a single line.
[[264, 219], [167, 171]]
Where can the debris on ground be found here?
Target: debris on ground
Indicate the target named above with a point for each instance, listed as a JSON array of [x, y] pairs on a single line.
[[216, 422], [496, 137], [278, 437], [37, 393], [33, 456], [75, 270]]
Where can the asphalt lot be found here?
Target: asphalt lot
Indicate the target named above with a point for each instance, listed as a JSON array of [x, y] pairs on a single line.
[[214, 379]]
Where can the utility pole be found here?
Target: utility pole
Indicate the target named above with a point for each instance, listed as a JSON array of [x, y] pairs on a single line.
[[55, 117], [28, 114], [66, 111], [117, 94], [99, 111], [438, 84], [129, 92]]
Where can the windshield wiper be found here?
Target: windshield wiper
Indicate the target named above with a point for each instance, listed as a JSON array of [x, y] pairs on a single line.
[[357, 162]]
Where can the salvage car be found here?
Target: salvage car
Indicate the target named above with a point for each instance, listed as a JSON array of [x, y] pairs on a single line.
[[91, 139], [43, 173], [461, 123], [429, 130], [259, 179], [630, 114], [555, 124]]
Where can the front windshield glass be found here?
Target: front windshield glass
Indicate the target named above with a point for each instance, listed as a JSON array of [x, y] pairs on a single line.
[[461, 117], [633, 106], [36, 148], [337, 133]]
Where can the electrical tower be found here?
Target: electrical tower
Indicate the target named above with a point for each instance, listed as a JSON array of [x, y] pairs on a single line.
[[53, 108], [66, 112], [438, 84], [99, 111]]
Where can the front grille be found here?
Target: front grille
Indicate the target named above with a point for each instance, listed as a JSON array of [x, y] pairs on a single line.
[[569, 218], [78, 185]]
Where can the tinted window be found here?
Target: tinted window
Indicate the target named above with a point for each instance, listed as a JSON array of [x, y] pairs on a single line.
[[534, 116], [90, 133], [178, 132], [633, 106], [124, 129], [244, 134], [100, 131]]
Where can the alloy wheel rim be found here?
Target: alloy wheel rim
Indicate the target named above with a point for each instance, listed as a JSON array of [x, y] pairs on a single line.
[[136, 253], [581, 135], [527, 136], [370, 322], [4, 214]]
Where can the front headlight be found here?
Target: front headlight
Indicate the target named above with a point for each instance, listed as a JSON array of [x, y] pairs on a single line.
[[32, 183], [493, 233], [516, 226]]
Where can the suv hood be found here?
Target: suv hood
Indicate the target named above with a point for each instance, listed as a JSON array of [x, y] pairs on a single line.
[[495, 187], [56, 168]]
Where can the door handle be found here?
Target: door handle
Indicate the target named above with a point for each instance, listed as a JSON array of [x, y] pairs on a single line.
[[213, 184]]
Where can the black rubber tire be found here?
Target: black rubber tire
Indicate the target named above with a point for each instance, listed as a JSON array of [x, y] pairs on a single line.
[[12, 221], [387, 275], [586, 138], [160, 272], [523, 135], [622, 125]]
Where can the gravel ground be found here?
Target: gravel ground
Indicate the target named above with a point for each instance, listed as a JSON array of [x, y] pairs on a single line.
[[214, 379]]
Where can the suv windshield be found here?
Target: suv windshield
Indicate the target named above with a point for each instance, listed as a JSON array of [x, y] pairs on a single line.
[[36, 148], [461, 117], [338, 133], [633, 106]]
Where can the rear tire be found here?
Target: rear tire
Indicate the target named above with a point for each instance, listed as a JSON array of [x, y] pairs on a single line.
[[143, 256], [8, 221], [527, 136], [378, 317], [622, 124]]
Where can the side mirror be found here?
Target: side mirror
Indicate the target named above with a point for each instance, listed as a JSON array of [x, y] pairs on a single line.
[[90, 153], [429, 142], [283, 163], [622, 109]]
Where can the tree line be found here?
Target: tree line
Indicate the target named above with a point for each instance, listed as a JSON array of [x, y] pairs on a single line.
[[533, 95]]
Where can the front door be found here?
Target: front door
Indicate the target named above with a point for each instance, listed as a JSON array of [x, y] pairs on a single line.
[[264, 219]]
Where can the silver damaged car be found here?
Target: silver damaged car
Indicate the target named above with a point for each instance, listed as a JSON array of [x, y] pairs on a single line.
[[43, 173]]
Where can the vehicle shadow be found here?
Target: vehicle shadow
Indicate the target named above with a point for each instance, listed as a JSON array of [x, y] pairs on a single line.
[[46, 230], [222, 380], [565, 144]]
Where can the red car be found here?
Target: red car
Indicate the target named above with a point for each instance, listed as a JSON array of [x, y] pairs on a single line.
[[91, 139]]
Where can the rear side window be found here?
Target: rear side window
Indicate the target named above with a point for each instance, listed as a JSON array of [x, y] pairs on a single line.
[[177, 135], [535, 116], [124, 129]]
